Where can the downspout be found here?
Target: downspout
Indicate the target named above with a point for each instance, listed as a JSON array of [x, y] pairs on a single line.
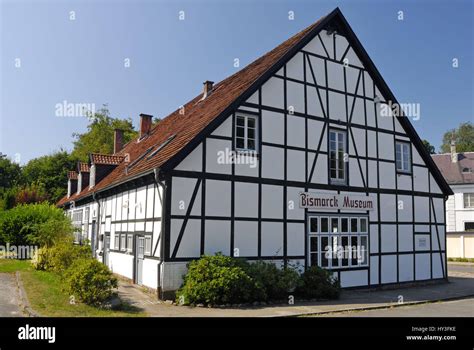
[[96, 238], [161, 184]]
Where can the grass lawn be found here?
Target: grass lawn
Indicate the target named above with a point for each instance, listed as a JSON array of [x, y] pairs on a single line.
[[470, 260], [46, 297]]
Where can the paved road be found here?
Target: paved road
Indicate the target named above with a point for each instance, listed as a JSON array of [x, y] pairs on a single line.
[[458, 269], [8, 296], [456, 308]]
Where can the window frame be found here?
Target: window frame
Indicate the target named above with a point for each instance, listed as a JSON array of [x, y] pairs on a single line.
[[470, 199], [402, 144], [337, 180], [246, 118], [347, 261]]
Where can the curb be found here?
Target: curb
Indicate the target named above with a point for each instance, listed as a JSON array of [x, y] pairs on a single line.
[[387, 306], [24, 303]]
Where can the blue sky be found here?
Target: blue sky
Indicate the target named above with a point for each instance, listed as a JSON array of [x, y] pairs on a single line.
[[82, 61]]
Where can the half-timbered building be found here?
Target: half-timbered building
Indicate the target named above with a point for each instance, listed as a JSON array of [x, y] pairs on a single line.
[[284, 161]]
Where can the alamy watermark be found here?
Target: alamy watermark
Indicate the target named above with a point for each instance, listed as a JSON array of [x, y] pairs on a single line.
[[409, 110], [71, 109], [228, 156], [21, 252]]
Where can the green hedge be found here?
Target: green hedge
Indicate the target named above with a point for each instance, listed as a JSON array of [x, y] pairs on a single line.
[[61, 256], [219, 280], [40, 224], [318, 283]]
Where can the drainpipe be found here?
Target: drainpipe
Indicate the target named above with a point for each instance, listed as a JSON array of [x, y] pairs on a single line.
[[161, 184], [97, 222]]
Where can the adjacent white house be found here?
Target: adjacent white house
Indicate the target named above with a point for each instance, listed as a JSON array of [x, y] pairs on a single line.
[[458, 170], [289, 160]]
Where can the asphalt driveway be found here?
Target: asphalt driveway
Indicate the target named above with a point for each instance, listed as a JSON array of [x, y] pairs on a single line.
[[8, 296]]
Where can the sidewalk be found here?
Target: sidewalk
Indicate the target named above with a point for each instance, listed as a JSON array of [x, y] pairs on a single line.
[[459, 286]]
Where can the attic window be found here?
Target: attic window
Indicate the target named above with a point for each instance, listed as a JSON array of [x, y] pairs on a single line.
[[466, 170], [160, 147]]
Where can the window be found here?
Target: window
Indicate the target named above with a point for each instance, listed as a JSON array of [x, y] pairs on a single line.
[[246, 133], [123, 242], [469, 226], [341, 242], [117, 241], [402, 152], [129, 243], [148, 245], [468, 200], [337, 152]]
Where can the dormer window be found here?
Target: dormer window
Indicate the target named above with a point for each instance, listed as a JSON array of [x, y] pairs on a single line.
[[245, 133]]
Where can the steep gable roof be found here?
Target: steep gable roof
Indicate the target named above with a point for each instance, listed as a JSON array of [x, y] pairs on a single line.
[[187, 126]]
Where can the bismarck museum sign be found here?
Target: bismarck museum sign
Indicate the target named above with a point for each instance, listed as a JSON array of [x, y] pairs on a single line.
[[312, 200]]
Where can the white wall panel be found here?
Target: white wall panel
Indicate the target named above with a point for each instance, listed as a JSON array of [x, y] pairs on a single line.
[[272, 201], [273, 127], [216, 159], [272, 93], [295, 131], [193, 161], [295, 97], [295, 165], [217, 237], [422, 266], [218, 198], [405, 267], [246, 238], [272, 162], [389, 269], [246, 199], [295, 239], [272, 239]]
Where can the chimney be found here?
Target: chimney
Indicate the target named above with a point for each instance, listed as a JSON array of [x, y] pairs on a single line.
[[208, 85], [454, 155], [118, 140], [145, 124]]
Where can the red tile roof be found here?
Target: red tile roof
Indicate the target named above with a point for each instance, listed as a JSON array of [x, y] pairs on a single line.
[[186, 123], [83, 167], [107, 159], [456, 173], [72, 175]]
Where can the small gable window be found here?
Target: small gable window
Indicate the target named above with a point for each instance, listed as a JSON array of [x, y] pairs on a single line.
[[245, 133], [403, 157]]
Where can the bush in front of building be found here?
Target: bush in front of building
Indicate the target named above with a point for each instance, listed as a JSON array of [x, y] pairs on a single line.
[[217, 280], [59, 257], [318, 283], [90, 281], [40, 224], [276, 283]]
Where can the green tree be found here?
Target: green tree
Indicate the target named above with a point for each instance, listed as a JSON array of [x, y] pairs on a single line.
[[429, 147], [464, 137], [10, 172], [99, 137], [49, 172]]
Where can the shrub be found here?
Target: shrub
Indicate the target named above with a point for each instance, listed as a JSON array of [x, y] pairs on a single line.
[[317, 283], [60, 257], [276, 283], [90, 281], [217, 280], [41, 224]]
